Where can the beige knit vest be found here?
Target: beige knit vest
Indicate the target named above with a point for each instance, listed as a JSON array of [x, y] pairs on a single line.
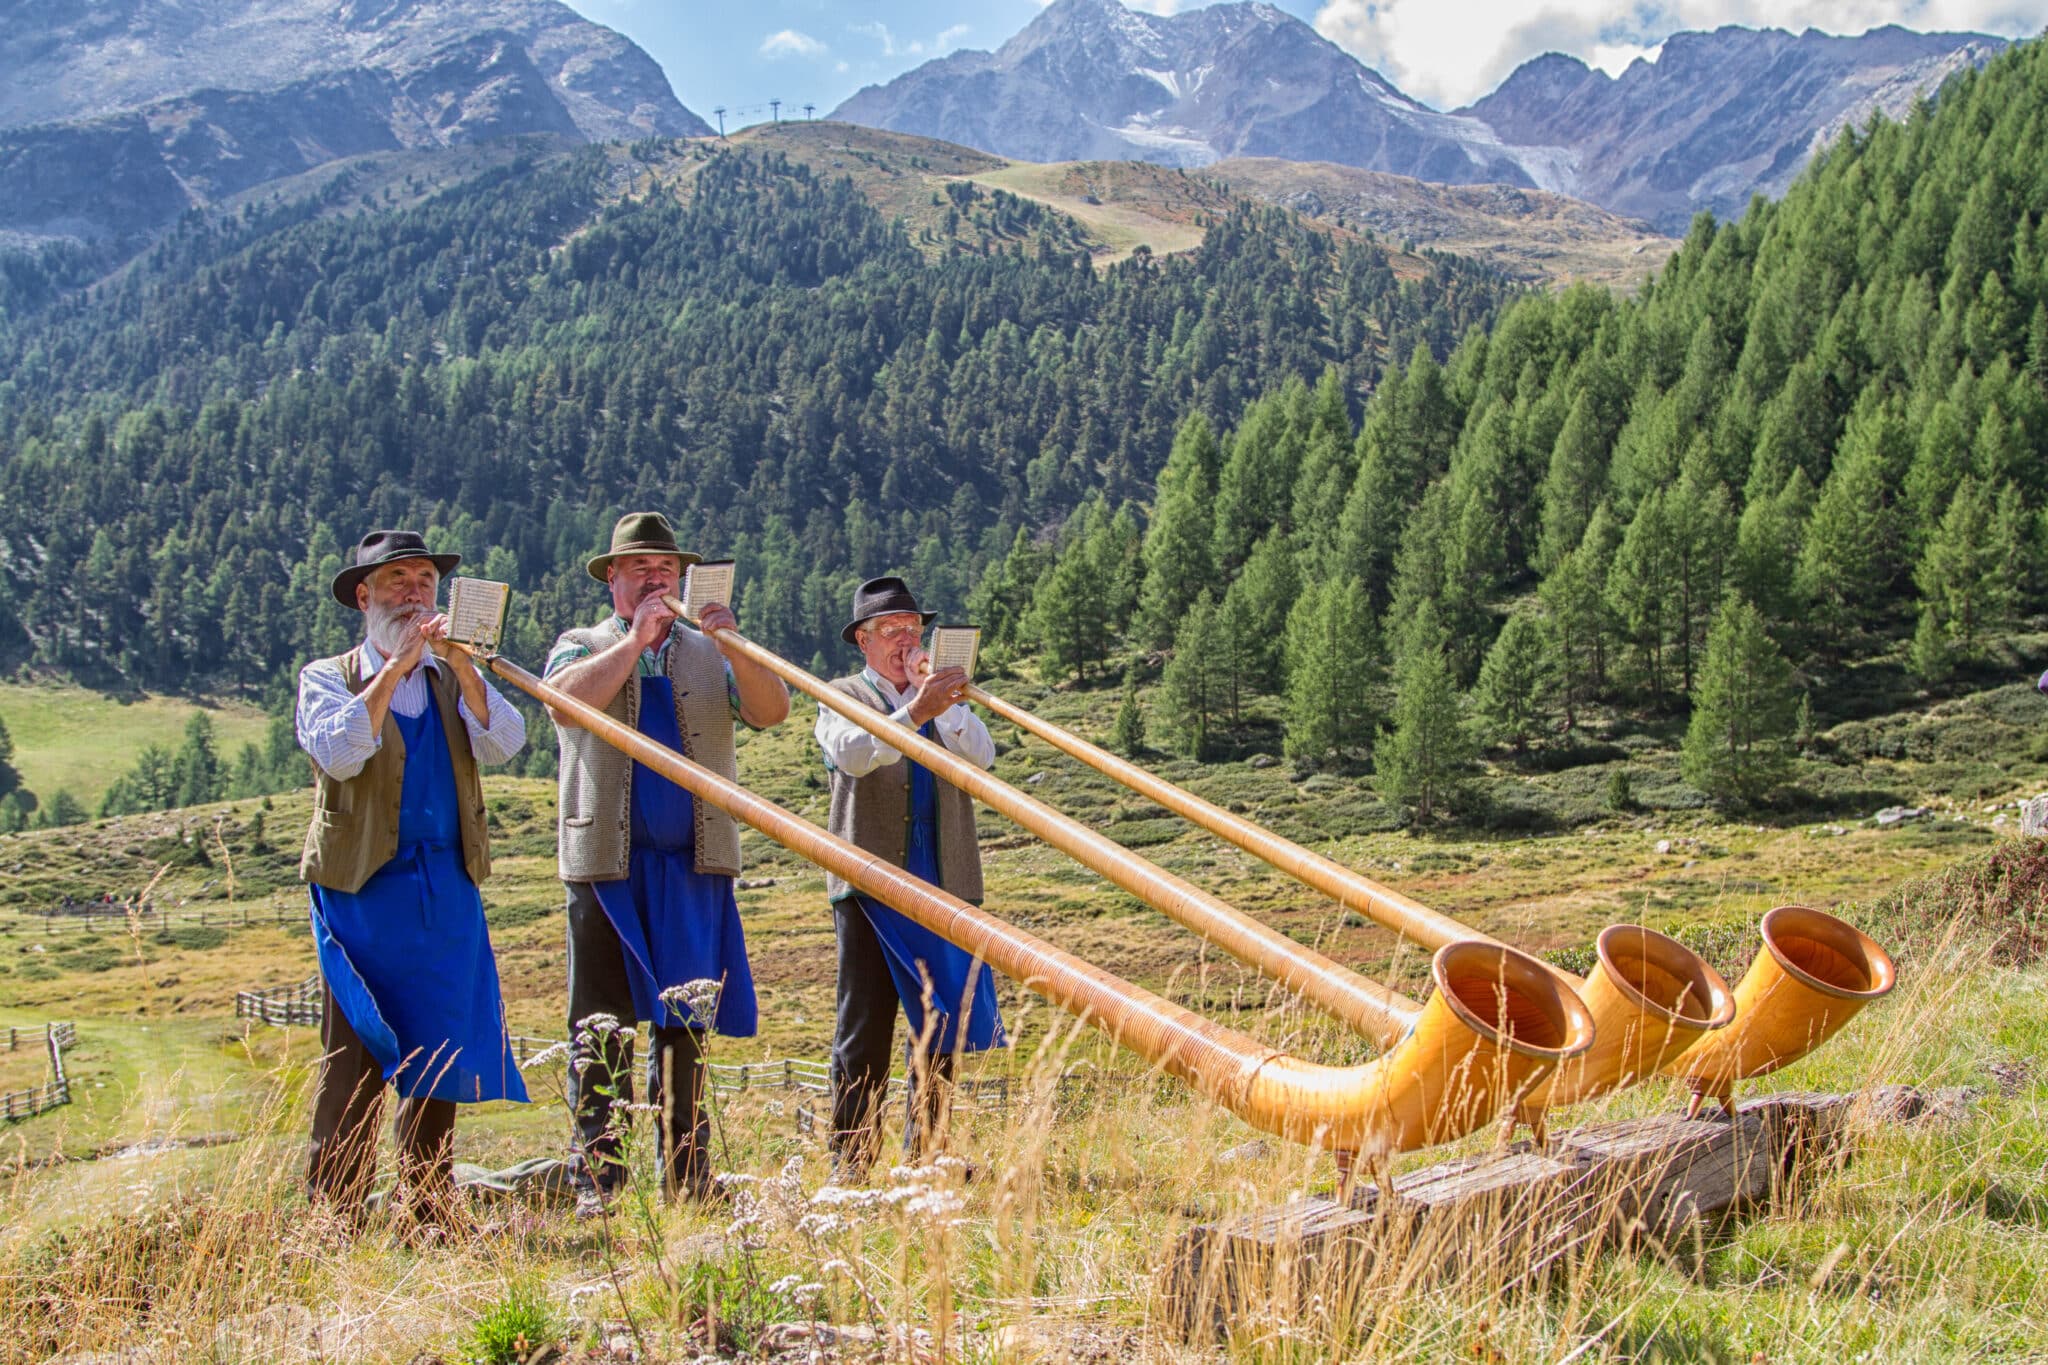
[[594, 813], [874, 813]]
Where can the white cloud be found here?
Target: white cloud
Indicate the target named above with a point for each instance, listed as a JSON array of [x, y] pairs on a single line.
[[790, 43], [1450, 54], [893, 46]]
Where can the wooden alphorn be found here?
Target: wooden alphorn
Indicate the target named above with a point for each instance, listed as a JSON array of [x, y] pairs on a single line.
[[1496, 1024], [1657, 1005]]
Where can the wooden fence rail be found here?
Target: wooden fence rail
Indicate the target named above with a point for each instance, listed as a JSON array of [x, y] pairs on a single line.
[[303, 1003], [26, 1104], [93, 919]]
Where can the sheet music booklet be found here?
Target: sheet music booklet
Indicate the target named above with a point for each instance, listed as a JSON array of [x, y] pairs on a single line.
[[476, 611], [955, 647], [704, 583]]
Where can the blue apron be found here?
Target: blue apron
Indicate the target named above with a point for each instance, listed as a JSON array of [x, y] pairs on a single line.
[[407, 959], [958, 983], [676, 924]]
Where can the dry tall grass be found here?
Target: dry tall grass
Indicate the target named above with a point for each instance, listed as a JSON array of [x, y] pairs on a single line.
[[1931, 1244]]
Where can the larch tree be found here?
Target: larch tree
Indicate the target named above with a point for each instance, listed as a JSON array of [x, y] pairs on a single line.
[[1420, 759], [1738, 744]]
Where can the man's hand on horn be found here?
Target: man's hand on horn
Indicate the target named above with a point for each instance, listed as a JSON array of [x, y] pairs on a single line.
[[651, 620], [937, 692]]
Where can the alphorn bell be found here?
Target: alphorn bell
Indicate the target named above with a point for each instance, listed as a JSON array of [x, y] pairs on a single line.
[[1657, 1005], [1356, 1000], [1496, 1024]]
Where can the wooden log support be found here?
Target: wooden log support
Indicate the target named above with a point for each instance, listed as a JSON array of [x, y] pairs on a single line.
[[1511, 1217]]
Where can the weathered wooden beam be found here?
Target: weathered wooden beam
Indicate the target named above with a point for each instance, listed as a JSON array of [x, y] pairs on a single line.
[[1512, 1216]]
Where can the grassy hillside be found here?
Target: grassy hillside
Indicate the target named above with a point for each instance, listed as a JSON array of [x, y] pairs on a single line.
[[82, 740], [1054, 1256], [1531, 234], [1672, 863]]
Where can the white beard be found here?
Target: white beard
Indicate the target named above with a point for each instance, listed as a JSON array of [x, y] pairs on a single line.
[[389, 627]]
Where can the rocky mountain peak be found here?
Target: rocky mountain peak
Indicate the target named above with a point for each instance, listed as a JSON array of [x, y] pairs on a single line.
[[199, 99]]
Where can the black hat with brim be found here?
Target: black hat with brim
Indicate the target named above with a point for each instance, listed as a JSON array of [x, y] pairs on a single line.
[[640, 533], [881, 597], [379, 548]]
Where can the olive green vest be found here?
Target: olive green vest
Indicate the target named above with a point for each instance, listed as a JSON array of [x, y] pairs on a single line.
[[595, 810], [355, 822], [873, 812]]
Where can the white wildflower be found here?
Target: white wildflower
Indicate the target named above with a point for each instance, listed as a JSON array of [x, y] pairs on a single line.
[[547, 1056], [694, 999]]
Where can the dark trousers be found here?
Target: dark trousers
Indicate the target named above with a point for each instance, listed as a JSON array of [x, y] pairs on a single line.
[[863, 1039], [348, 1101], [675, 1072]]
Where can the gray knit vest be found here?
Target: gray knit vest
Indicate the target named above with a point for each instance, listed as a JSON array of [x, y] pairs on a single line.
[[594, 811], [873, 812]]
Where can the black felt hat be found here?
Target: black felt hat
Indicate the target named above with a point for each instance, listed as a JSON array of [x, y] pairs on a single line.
[[881, 597], [640, 533], [385, 547]]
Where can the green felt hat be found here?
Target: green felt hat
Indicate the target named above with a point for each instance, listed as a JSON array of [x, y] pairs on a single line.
[[641, 533]]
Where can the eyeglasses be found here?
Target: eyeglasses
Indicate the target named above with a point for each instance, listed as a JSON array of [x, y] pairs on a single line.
[[897, 631]]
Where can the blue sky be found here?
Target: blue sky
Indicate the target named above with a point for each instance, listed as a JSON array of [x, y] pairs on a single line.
[[1444, 52], [815, 51]]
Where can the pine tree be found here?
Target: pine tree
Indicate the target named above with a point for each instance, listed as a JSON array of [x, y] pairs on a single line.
[[1642, 587], [1260, 599], [1255, 489], [1514, 683], [1738, 744], [1769, 539], [1702, 527], [1177, 561], [10, 778], [1127, 735], [1070, 609], [2037, 346], [1330, 669], [61, 810], [1575, 607], [1196, 691], [1574, 484], [1964, 578], [1420, 759], [1846, 565], [1238, 649], [199, 777]]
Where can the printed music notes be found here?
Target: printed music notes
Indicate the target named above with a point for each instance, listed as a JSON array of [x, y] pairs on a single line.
[[955, 647], [476, 611], [704, 583]]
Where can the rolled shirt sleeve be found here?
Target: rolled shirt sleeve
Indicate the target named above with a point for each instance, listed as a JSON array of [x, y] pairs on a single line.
[[503, 737], [855, 752], [333, 724]]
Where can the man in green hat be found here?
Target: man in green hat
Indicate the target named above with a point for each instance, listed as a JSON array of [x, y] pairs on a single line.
[[649, 870]]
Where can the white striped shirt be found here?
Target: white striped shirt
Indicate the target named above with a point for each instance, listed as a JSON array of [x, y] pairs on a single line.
[[334, 724], [857, 753]]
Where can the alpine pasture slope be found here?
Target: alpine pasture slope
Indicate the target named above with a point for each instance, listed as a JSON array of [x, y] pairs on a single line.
[[160, 1216], [183, 1244]]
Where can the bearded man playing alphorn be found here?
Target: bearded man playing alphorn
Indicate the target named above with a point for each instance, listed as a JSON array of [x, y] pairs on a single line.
[[396, 729]]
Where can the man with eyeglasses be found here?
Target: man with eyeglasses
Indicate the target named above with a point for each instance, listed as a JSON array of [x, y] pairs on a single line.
[[903, 813]]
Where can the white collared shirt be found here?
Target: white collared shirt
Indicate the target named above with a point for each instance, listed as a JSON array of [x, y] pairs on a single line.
[[334, 724], [857, 753]]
